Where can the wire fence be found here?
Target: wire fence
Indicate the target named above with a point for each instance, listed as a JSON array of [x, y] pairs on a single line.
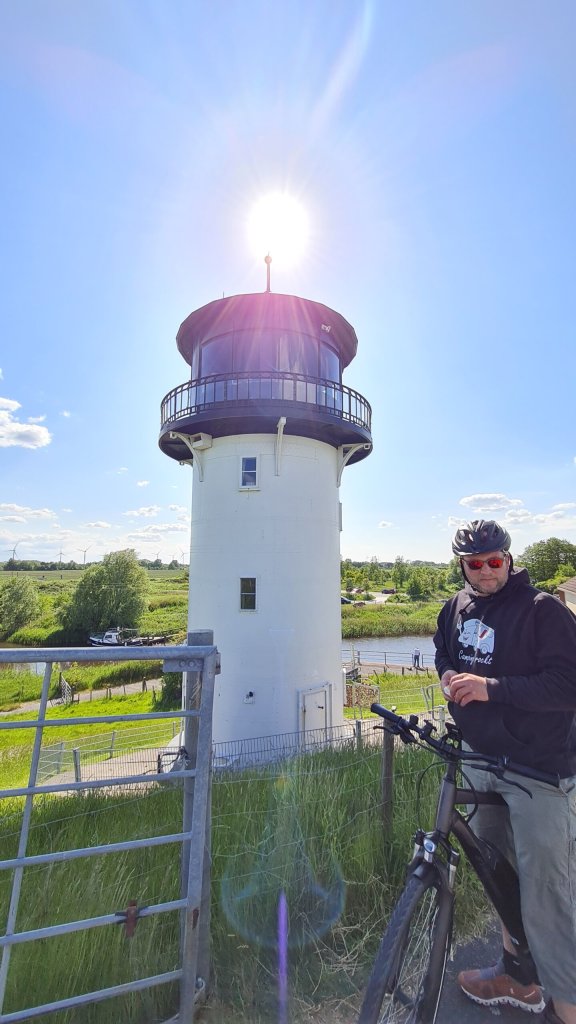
[[80, 757], [159, 748]]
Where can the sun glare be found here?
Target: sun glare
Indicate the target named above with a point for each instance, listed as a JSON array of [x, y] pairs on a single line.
[[278, 225]]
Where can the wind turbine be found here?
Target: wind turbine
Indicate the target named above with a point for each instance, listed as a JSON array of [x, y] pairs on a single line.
[[84, 550]]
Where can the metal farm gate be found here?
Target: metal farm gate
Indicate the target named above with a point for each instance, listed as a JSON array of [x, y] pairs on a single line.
[[198, 660]]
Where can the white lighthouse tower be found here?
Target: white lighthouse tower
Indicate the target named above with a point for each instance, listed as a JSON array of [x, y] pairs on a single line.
[[268, 428]]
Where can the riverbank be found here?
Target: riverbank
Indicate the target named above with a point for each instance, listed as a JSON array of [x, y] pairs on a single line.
[[390, 620]]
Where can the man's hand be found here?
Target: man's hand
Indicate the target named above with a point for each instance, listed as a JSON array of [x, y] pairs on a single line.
[[445, 681], [464, 688]]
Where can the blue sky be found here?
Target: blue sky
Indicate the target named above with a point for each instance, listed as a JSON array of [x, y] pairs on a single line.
[[433, 147]]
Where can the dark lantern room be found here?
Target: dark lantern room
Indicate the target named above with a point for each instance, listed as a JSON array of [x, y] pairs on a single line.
[[257, 358]]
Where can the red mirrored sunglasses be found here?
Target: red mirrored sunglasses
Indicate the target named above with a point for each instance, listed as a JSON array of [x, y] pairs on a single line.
[[475, 564]]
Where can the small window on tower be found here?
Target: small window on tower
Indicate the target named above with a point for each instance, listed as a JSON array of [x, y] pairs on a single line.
[[249, 472], [247, 594]]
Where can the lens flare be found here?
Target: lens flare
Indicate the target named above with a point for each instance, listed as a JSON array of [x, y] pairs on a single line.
[[254, 884]]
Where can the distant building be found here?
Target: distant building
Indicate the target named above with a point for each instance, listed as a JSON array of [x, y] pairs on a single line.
[[567, 593]]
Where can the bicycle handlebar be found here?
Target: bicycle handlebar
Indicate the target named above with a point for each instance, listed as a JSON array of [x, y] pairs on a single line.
[[408, 729]]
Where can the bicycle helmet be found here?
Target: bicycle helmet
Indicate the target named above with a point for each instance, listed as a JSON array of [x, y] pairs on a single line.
[[479, 536]]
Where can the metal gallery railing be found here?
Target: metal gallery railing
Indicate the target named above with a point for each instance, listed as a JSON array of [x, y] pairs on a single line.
[[224, 389], [199, 662]]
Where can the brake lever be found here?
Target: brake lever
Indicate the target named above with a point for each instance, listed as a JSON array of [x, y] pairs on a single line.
[[396, 730], [500, 771]]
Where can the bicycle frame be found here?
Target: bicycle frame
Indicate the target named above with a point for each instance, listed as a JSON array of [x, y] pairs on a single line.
[[408, 972]]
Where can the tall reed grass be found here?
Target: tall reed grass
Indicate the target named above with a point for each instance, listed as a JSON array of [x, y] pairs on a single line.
[[390, 620]]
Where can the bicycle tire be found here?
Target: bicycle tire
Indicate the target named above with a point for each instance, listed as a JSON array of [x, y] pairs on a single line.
[[405, 984]]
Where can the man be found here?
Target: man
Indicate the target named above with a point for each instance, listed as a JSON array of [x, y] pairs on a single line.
[[506, 657]]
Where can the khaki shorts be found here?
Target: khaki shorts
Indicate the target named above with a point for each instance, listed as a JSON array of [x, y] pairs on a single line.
[[538, 836]]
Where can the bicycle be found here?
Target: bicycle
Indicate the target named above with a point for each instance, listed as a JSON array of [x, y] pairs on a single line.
[[405, 984]]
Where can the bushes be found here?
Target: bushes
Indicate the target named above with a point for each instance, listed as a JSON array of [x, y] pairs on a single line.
[[390, 620], [19, 604]]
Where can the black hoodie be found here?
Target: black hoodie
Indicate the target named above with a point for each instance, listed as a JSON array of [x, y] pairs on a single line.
[[524, 641]]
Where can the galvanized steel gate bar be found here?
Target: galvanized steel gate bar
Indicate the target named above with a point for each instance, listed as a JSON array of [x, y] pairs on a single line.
[[198, 660]]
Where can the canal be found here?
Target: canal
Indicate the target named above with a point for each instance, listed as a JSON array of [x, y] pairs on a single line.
[[395, 650]]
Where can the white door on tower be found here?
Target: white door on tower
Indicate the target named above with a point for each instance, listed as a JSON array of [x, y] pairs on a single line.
[[314, 709]]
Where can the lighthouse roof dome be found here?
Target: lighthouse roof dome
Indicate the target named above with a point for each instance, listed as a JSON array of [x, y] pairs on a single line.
[[267, 311]]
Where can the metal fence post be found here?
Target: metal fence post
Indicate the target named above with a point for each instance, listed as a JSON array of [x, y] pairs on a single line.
[[387, 779], [76, 759], [24, 832], [358, 732], [112, 742], [191, 700]]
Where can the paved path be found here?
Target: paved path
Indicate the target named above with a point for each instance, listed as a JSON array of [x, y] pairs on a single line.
[[423, 675], [456, 1008]]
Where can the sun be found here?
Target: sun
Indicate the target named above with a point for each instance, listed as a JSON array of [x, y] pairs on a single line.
[[278, 226]]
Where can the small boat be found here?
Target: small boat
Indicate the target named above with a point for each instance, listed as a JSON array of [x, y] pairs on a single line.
[[111, 638], [119, 637]]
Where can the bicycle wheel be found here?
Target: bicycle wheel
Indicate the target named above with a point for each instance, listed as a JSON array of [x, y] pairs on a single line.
[[406, 980]]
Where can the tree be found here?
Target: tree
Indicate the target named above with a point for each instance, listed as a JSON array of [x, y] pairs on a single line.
[[543, 559], [19, 605], [399, 572], [112, 593], [419, 583], [454, 573]]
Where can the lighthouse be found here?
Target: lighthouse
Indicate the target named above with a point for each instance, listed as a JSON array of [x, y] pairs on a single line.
[[268, 428]]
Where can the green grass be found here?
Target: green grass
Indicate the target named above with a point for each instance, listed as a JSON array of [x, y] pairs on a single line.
[[308, 821], [16, 687], [16, 744]]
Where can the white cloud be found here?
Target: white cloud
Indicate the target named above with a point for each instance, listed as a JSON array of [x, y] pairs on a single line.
[[66, 414], [142, 483], [36, 419], [10, 405], [13, 519], [548, 517], [26, 512], [122, 469], [99, 524], [523, 517], [489, 502], [15, 434], [1, 374], [384, 524], [182, 513], [518, 515], [146, 512]]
